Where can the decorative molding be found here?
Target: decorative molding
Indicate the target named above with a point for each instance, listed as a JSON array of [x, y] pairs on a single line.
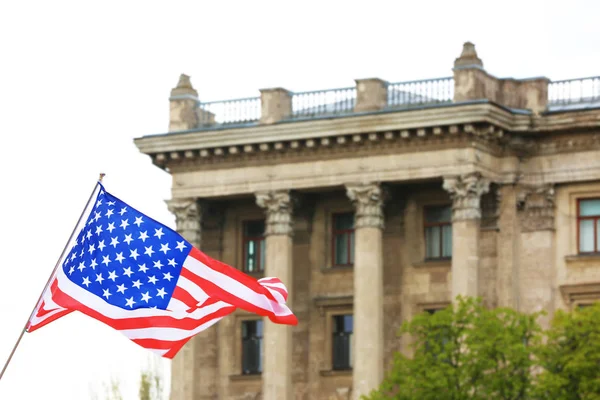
[[367, 199], [536, 203], [188, 215], [465, 192], [580, 293], [278, 207], [411, 139]]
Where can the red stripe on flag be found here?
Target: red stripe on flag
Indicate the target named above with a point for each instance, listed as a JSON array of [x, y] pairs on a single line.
[[186, 298], [211, 288], [248, 281], [64, 300]]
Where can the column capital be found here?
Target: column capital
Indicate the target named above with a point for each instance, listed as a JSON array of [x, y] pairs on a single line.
[[536, 203], [465, 192], [278, 205], [188, 214], [368, 199]]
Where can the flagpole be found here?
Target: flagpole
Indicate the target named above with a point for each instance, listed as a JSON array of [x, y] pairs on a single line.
[[51, 276]]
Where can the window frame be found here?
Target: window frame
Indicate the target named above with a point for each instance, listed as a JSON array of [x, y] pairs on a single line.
[[441, 236], [335, 334], [261, 346], [259, 241], [596, 220], [350, 240]]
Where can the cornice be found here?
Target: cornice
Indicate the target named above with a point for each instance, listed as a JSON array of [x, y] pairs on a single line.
[[332, 127], [483, 121]]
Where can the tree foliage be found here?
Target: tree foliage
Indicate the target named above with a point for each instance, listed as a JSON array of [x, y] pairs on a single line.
[[464, 352], [151, 383], [570, 358]]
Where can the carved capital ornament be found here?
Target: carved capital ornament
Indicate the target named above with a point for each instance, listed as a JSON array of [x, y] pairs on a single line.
[[466, 191], [188, 214], [368, 199], [536, 203], [278, 206]]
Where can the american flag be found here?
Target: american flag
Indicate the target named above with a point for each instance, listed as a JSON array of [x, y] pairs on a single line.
[[145, 280]]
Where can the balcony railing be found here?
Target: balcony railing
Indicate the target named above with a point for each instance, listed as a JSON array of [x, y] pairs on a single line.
[[422, 92], [574, 91], [323, 102], [235, 111], [565, 94]]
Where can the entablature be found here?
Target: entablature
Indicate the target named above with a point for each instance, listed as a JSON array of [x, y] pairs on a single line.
[[516, 132]]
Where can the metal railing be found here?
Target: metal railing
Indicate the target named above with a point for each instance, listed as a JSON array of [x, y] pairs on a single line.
[[574, 91], [421, 92], [323, 102], [230, 111]]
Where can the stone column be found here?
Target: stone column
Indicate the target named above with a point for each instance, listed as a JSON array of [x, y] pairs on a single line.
[[536, 274], [184, 111], [368, 288], [465, 191], [277, 371], [275, 105], [183, 367]]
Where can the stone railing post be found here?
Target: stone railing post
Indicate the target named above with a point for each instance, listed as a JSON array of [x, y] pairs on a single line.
[[277, 372], [472, 82], [371, 94], [275, 104], [184, 367], [184, 111], [367, 368], [534, 94], [466, 192]]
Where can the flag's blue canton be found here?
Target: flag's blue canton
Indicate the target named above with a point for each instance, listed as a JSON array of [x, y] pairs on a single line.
[[125, 257]]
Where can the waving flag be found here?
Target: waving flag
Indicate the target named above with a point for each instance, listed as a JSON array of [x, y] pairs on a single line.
[[142, 278]]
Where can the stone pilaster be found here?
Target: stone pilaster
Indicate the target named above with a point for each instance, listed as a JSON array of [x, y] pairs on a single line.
[[184, 111], [507, 276], [277, 372], [184, 369], [368, 287], [465, 191], [535, 205]]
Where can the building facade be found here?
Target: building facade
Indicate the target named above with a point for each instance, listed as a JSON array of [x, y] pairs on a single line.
[[374, 203]]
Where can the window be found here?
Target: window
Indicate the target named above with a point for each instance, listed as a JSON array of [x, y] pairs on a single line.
[[342, 342], [588, 219], [438, 232], [252, 335], [254, 246], [342, 237]]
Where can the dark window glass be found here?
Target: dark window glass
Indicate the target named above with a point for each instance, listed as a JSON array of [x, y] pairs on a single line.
[[252, 335], [254, 246], [438, 232], [342, 342], [343, 240]]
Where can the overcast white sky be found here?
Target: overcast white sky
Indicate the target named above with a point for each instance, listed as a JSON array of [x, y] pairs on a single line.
[[79, 80]]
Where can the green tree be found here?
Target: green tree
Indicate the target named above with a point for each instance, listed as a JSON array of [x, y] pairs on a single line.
[[570, 358], [464, 352], [151, 383]]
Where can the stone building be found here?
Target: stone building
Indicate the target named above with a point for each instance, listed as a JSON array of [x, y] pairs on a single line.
[[374, 203]]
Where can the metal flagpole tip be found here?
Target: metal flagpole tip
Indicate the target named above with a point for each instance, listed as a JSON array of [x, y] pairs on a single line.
[[101, 176]]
